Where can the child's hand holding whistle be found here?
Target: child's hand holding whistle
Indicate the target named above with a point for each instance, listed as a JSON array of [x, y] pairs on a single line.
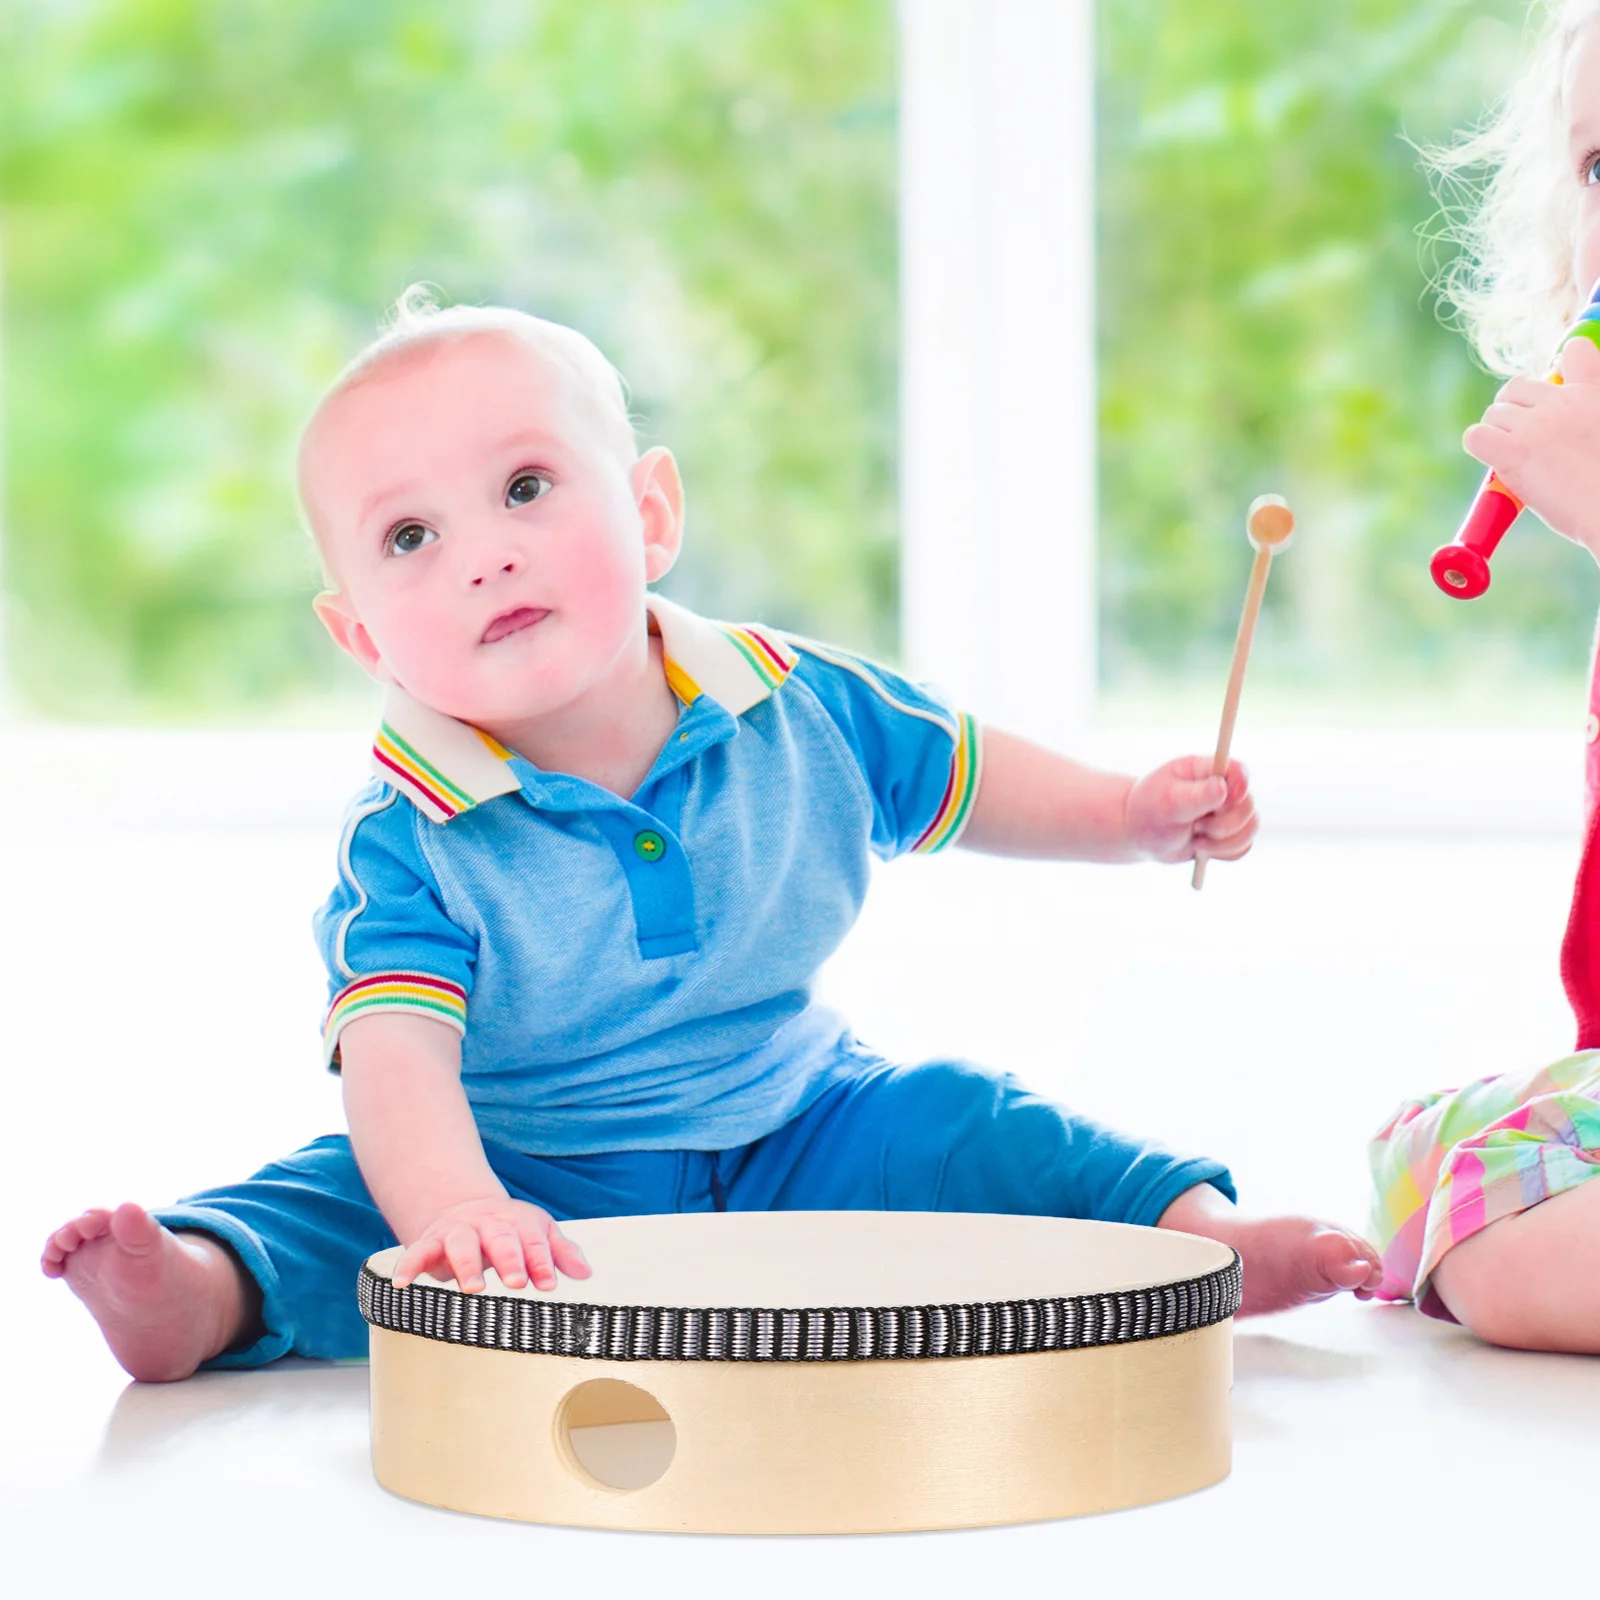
[[1539, 441], [1543, 440]]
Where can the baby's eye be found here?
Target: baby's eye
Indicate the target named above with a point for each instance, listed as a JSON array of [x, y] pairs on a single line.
[[1591, 167], [527, 487], [409, 536]]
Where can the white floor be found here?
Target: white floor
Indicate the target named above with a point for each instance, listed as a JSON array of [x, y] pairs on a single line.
[[162, 996]]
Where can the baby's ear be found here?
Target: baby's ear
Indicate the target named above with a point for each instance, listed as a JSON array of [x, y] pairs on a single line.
[[337, 615], [658, 491]]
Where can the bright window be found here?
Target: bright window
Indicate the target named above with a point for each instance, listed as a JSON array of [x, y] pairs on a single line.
[[206, 207]]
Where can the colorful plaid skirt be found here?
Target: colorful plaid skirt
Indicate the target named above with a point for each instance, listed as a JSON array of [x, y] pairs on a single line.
[[1447, 1166]]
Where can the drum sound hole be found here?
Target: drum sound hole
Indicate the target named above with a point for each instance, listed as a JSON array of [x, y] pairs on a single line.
[[616, 1434]]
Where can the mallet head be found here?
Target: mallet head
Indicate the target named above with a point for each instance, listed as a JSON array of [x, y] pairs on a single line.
[[1269, 522]]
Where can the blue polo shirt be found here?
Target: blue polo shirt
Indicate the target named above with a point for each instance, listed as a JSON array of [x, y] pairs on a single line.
[[636, 974]]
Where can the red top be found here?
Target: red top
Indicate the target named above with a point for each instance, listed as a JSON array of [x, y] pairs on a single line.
[[1580, 951]]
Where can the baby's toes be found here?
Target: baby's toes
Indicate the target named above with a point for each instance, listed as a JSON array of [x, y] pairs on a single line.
[[1345, 1261], [134, 1228], [69, 1237], [93, 1224]]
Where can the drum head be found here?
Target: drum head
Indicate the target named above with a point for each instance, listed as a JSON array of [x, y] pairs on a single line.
[[832, 1285]]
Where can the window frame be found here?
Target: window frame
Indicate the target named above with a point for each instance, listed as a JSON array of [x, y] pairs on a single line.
[[997, 385]]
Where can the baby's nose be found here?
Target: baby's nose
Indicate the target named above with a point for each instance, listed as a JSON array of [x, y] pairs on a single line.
[[507, 567]]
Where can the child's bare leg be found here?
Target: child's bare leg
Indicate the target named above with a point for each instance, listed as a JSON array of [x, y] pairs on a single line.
[[165, 1301], [1287, 1260], [1531, 1281]]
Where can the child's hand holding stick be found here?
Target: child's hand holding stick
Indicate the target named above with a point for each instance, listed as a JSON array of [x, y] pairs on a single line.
[[1268, 524]]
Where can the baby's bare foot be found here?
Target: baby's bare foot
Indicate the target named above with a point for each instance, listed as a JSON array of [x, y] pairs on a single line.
[[1288, 1261], [164, 1301]]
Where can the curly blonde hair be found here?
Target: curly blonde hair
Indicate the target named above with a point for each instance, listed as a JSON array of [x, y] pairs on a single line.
[[1509, 202]]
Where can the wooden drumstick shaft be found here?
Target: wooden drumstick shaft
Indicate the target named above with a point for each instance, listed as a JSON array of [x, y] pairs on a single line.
[[1230, 701]]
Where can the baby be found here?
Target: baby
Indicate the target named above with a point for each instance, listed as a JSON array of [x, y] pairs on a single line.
[[1485, 1205], [581, 904]]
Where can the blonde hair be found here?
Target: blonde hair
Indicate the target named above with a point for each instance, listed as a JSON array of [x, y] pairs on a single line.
[[417, 319], [1509, 201]]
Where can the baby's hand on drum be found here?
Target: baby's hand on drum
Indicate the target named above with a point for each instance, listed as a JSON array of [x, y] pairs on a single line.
[[1181, 809], [520, 1241]]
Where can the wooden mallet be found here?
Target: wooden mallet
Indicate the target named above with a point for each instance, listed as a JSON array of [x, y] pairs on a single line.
[[1268, 524]]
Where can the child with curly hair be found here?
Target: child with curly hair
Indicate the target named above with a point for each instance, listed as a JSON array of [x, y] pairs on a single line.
[[1485, 1211]]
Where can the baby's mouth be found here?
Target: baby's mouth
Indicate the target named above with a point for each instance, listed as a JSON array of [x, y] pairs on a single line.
[[514, 622]]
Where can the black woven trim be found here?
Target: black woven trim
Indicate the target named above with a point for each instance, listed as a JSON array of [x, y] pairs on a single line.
[[831, 1333]]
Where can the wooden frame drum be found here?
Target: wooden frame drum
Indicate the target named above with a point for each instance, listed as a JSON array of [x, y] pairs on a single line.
[[813, 1372]]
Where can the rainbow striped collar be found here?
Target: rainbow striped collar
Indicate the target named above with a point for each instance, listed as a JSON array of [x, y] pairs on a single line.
[[445, 766]]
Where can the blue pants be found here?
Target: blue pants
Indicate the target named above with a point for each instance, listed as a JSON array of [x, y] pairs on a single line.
[[944, 1136]]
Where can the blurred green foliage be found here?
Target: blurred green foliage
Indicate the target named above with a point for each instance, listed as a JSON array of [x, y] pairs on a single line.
[[1265, 324], [205, 205]]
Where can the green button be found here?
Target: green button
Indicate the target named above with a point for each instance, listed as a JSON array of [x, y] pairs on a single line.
[[649, 846]]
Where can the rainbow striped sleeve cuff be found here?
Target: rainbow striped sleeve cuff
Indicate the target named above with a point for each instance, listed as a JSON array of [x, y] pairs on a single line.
[[966, 766], [417, 992]]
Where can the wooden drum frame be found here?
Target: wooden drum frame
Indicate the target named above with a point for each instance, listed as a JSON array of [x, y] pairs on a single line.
[[821, 1372]]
